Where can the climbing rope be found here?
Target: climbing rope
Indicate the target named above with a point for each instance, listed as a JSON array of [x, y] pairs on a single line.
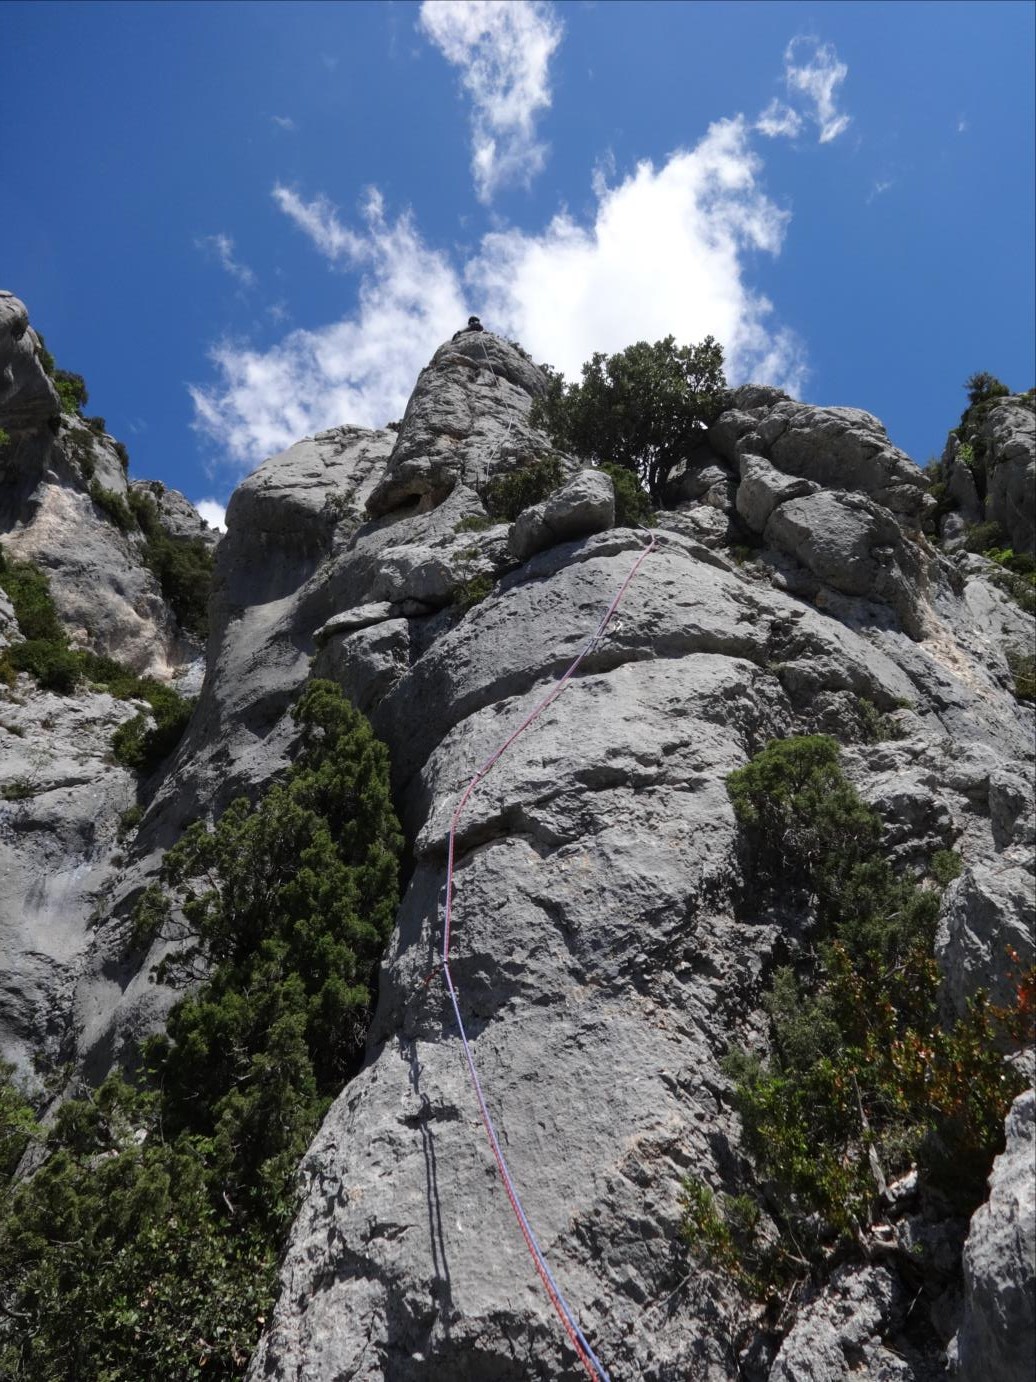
[[590, 1361]]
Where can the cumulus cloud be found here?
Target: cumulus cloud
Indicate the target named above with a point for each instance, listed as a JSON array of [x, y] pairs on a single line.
[[812, 70], [665, 253], [221, 249], [284, 122], [214, 513], [503, 49], [360, 369], [666, 250]]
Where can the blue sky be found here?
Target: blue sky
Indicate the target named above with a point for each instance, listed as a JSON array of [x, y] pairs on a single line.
[[243, 223]]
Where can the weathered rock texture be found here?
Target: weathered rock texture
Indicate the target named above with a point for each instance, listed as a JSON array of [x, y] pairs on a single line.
[[61, 794], [605, 956], [996, 1336], [998, 481]]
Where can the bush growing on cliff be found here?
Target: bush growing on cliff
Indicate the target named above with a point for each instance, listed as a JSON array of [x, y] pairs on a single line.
[[506, 496], [145, 1247], [45, 655], [182, 566], [862, 1079], [642, 409], [72, 391]]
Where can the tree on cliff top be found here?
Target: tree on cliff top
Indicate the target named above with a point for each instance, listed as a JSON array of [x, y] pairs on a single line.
[[643, 409]]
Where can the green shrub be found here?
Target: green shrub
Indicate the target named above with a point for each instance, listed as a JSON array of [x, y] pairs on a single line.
[[642, 409], [18, 789], [5, 438], [182, 566], [29, 593], [983, 536], [473, 523], [129, 820], [71, 389], [875, 727], [983, 387], [44, 356], [472, 592], [123, 455], [862, 1077], [53, 663], [96, 425], [113, 506], [1017, 576], [507, 496], [633, 508], [146, 1245], [142, 747], [1023, 670]]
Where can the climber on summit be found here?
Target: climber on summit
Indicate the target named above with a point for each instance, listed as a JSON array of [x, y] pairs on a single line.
[[473, 325]]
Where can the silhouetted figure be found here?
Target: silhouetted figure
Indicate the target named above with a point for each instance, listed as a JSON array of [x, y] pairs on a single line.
[[473, 325]]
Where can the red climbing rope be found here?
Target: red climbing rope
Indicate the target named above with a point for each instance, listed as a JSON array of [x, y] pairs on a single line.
[[594, 1367]]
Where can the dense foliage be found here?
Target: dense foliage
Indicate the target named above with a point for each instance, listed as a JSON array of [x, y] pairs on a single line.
[[863, 1079], [71, 390], [145, 1246], [182, 566], [46, 655], [643, 409], [506, 496]]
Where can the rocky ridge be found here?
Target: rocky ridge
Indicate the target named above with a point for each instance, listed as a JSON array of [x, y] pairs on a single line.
[[604, 956]]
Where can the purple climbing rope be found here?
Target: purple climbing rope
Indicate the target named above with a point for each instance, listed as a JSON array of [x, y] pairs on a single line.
[[594, 1367]]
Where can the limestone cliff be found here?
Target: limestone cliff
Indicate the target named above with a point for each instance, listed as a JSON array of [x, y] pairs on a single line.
[[63, 491], [605, 954]]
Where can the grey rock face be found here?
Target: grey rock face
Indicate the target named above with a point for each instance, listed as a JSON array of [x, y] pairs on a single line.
[[853, 545], [987, 913], [763, 488], [1009, 431], [839, 448], [27, 397], [996, 1336], [584, 504], [839, 1333], [602, 950], [58, 831], [467, 417], [178, 516]]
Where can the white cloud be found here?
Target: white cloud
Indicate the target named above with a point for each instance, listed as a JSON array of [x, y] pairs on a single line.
[[319, 220], [880, 187], [812, 70], [503, 48], [284, 122], [778, 120], [665, 254], [214, 513], [666, 251], [221, 248], [360, 369]]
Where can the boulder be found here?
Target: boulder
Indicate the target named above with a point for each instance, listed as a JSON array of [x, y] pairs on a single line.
[[997, 1337], [844, 449], [853, 545], [763, 487], [27, 396], [584, 504]]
